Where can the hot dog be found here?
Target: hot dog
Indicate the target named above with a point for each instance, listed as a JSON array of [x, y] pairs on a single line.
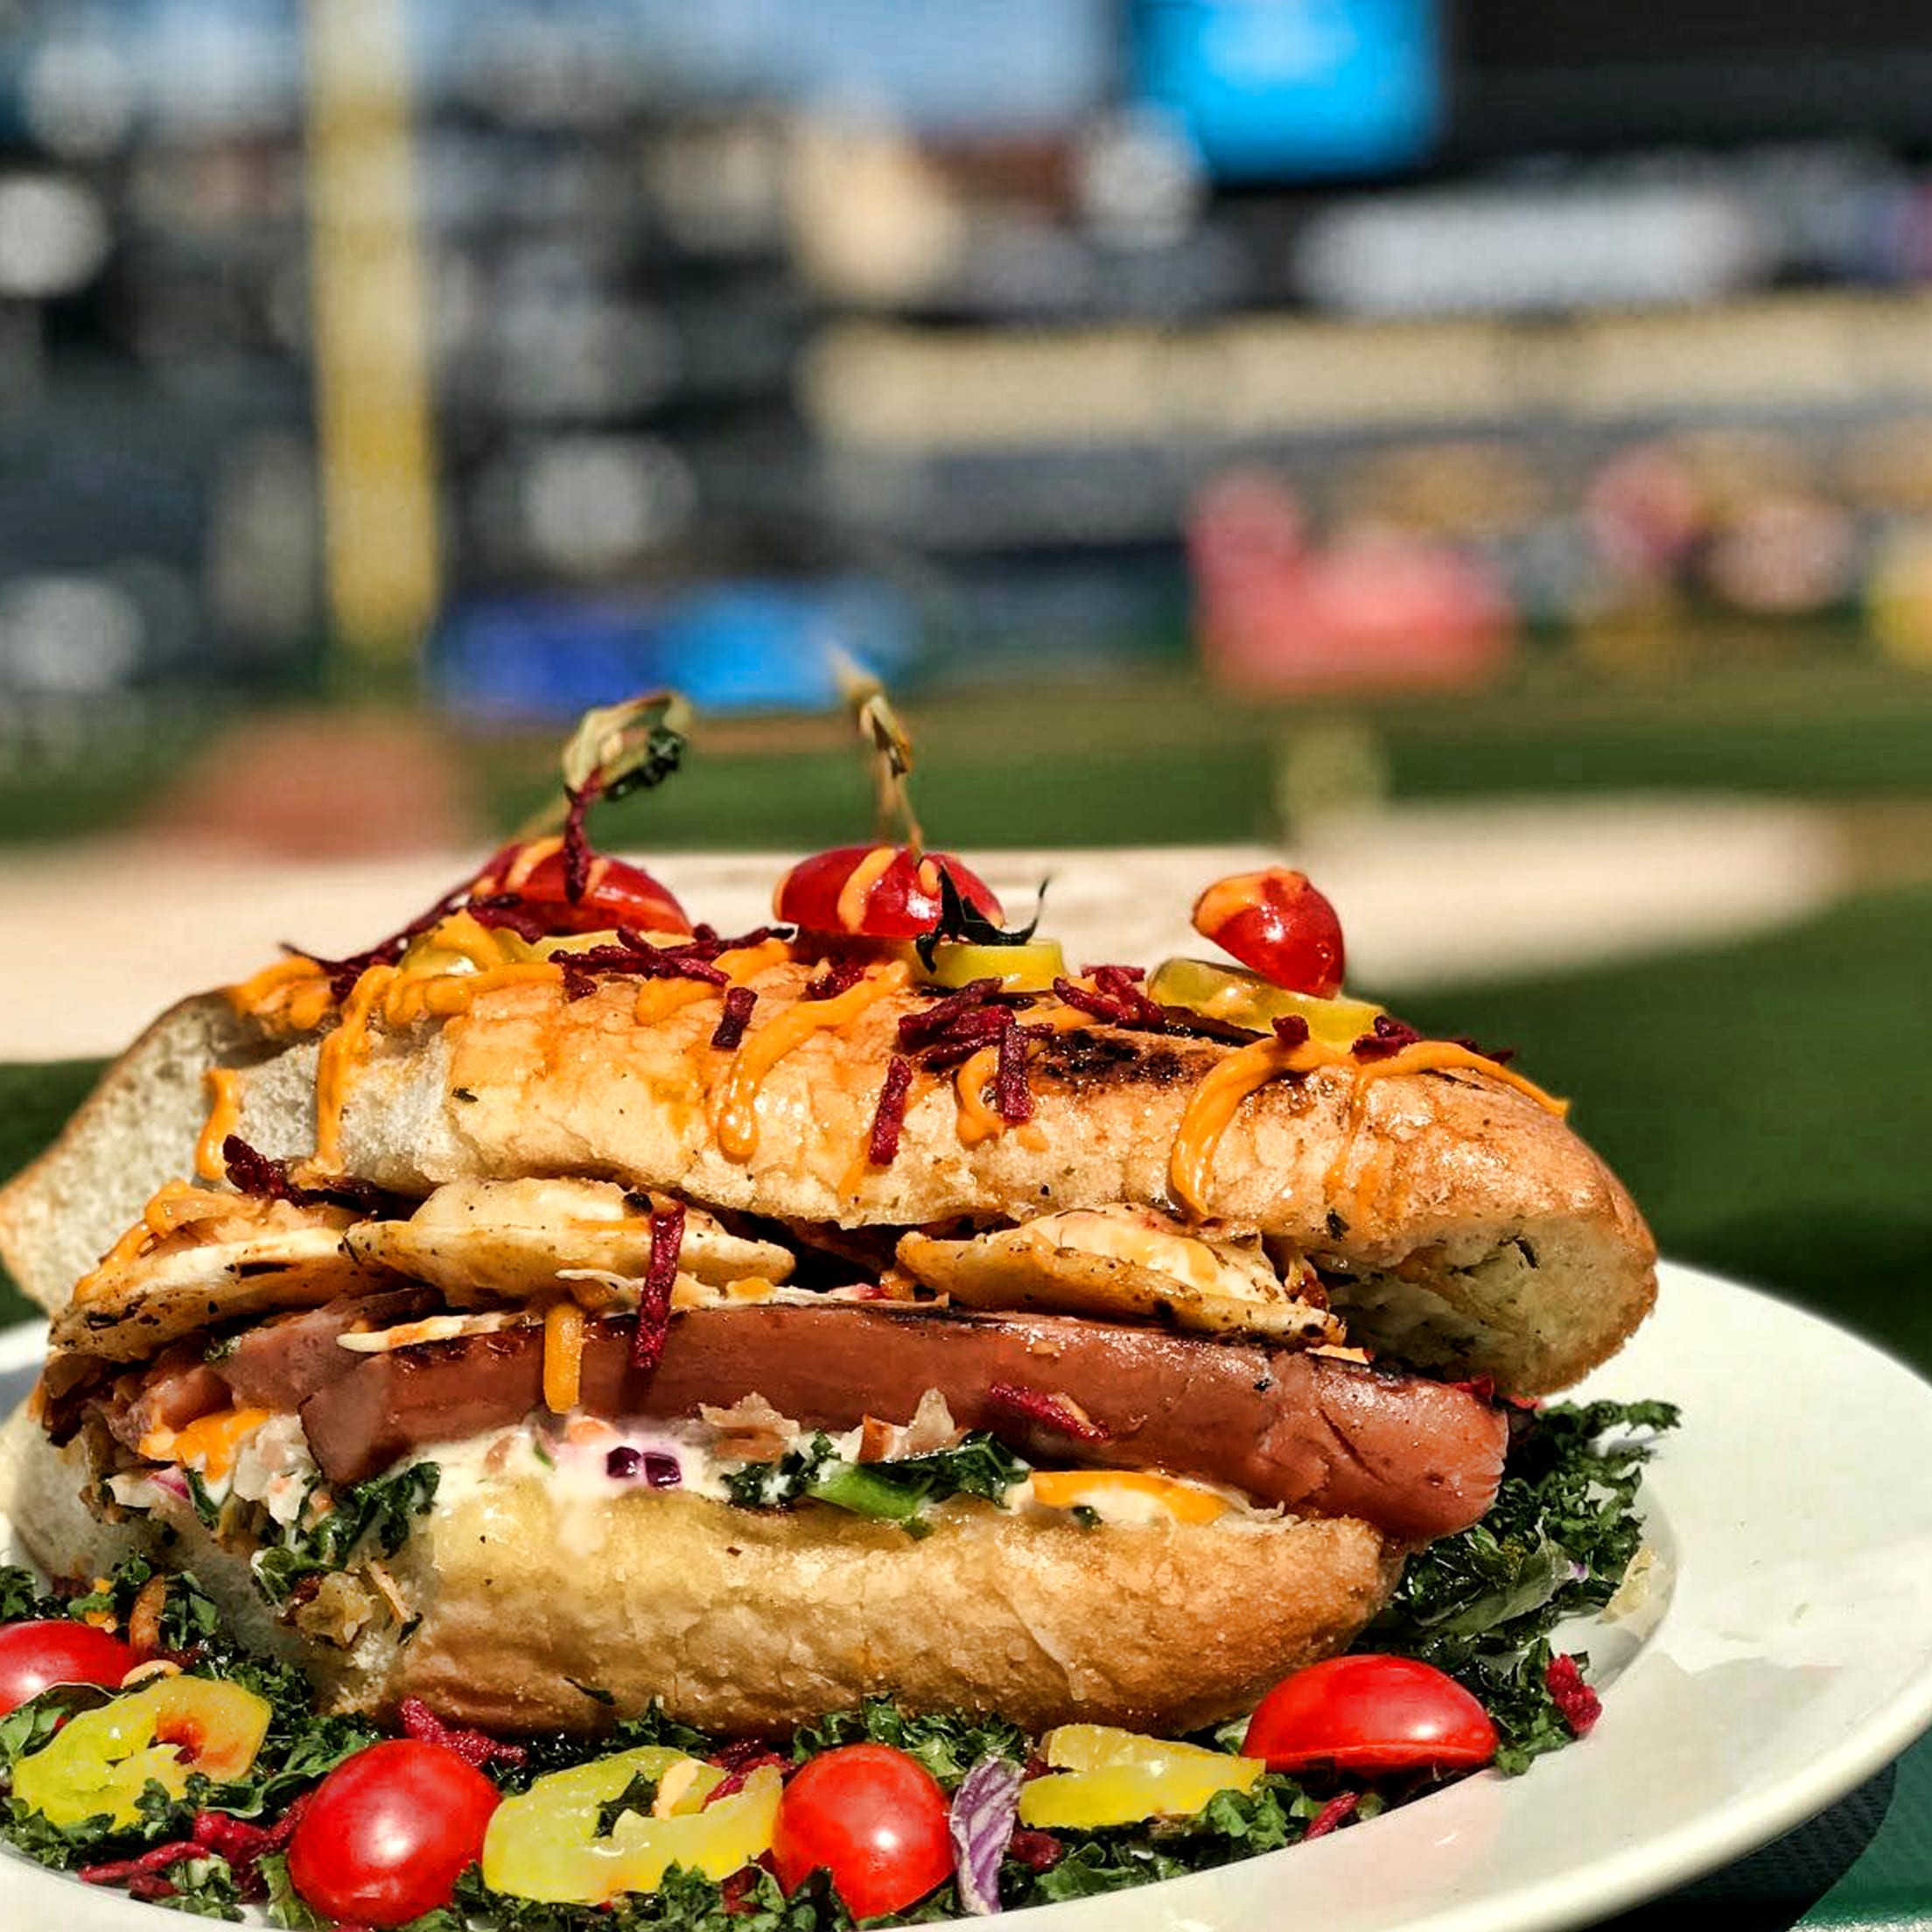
[[1176, 1320]]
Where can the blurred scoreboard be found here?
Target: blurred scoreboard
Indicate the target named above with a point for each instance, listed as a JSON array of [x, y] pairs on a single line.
[[931, 325]]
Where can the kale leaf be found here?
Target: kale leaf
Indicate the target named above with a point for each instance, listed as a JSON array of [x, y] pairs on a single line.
[[898, 1491], [378, 1512], [1233, 1824], [949, 1743], [1555, 1545]]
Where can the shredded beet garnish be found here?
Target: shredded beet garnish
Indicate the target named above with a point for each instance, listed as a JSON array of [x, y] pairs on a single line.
[[983, 1027], [577, 847], [890, 1120], [1059, 1413], [738, 1761], [654, 1300], [943, 1016], [840, 977], [634, 957], [244, 1845], [507, 910], [1577, 1703], [735, 1892], [705, 943], [1037, 1851], [148, 1864], [1292, 1030], [1011, 1092], [1113, 998], [474, 1747], [1390, 1037], [1338, 1811], [747, 1754], [739, 1003], [252, 1173], [343, 973], [1502, 1055], [1132, 974]]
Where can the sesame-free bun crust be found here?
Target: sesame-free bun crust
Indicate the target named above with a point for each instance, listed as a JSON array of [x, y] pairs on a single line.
[[1463, 1226], [534, 1612], [137, 1128]]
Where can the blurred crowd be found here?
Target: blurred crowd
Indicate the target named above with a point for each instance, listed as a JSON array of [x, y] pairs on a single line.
[[561, 346]]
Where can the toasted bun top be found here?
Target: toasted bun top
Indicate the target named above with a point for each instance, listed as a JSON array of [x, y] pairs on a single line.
[[1460, 1223]]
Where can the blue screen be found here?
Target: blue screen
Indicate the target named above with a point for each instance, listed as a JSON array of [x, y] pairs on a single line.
[[1277, 89]]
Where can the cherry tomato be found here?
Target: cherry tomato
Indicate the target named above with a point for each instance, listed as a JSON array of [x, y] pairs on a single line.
[[1370, 1714], [615, 894], [877, 892], [388, 1833], [33, 1655], [875, 1818], [1276, 923]]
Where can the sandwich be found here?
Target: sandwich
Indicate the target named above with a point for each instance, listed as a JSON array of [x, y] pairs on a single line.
[[561, 1309]]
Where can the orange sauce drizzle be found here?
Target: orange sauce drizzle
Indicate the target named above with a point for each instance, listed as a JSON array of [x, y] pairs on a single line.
[[1215, 1101], [224, 1089], [857, 888], [295, 990], [977, 1121], [737, 1111], [517, 875], [337, 1059], [659, 998]]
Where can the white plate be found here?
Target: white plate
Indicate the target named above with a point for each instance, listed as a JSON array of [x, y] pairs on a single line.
[[1793, 1659]]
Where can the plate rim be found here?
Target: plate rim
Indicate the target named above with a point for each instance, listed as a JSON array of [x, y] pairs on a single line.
[[1607, 1882]]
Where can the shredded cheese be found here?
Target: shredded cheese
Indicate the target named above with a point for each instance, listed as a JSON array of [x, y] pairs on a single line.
[[210, 1443], [857, 888], [736, 1113], [563, 1356], [224, 1087]]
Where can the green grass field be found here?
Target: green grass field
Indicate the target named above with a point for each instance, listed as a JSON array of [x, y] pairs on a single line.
[[1162, 759]]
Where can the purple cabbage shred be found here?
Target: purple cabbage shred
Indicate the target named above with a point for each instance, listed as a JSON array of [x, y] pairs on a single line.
[[984, 1809]]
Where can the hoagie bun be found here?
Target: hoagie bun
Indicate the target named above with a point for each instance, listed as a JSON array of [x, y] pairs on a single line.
[[527, 1215]]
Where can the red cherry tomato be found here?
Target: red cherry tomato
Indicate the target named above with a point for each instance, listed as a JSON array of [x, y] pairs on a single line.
[[1277, 924], [388, 1833], [33, 1655], [615, 893], [875, 1818], [1370, 1714], [877, 892]]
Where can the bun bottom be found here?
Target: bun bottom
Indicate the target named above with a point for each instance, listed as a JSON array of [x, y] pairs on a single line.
[[537, 1614]]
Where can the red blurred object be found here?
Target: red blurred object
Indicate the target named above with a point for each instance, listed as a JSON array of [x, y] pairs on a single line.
[[1374, 610]]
